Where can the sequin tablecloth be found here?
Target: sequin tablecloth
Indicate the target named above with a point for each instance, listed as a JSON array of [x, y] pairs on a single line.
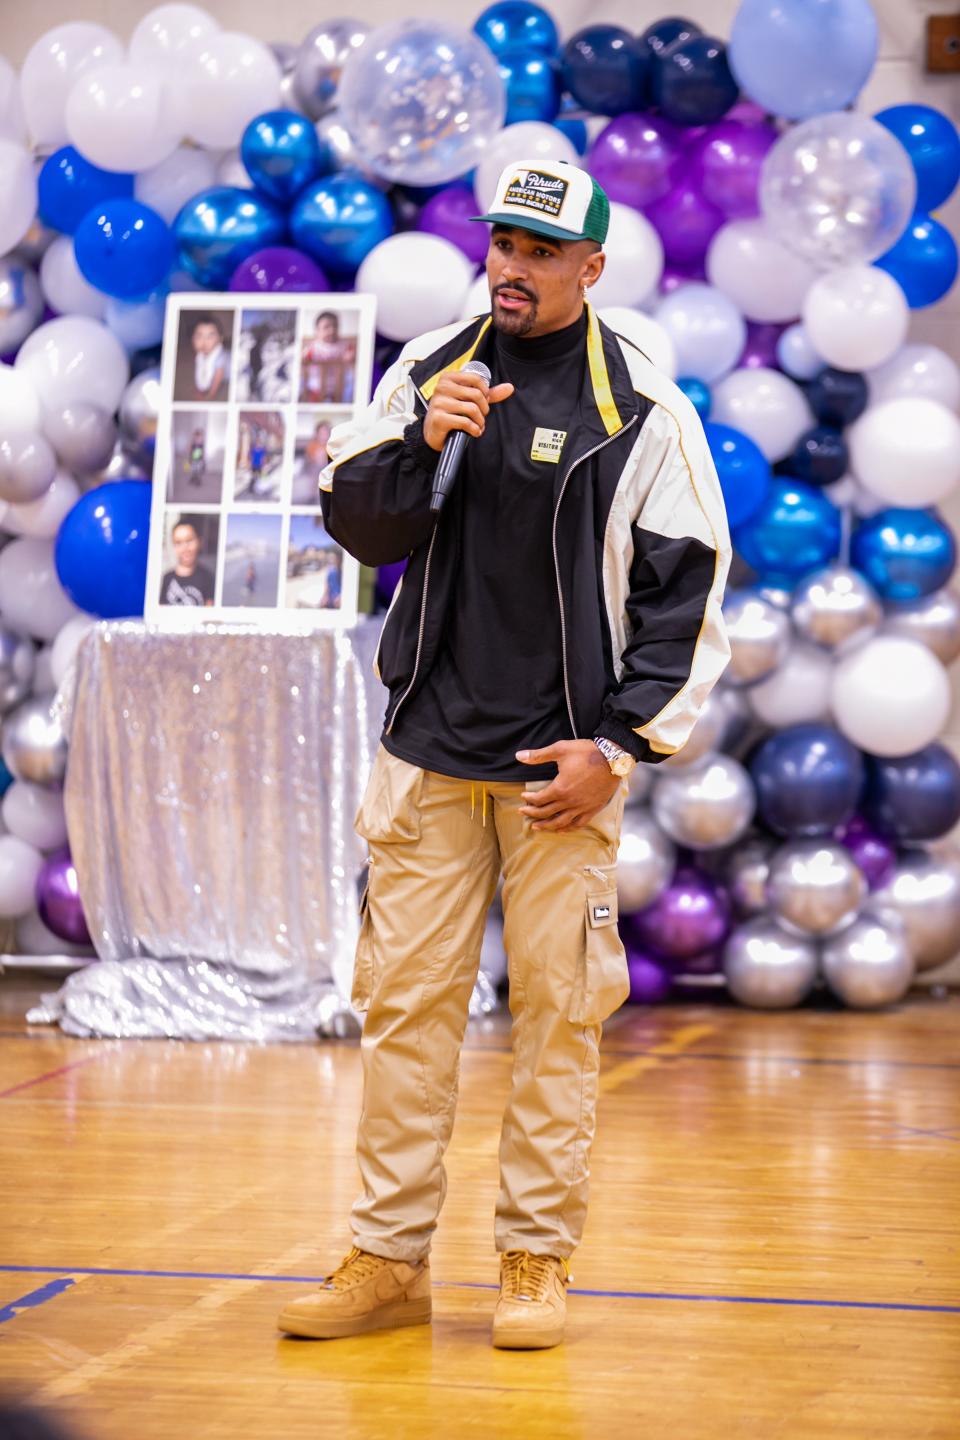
[[211, 789]]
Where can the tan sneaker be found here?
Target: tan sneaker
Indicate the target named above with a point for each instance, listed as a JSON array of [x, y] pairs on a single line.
[[532, 1307], [364, 1293]]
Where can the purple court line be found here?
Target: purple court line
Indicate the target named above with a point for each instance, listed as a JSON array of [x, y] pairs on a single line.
[[49, 1075], [35, 1298], [481, 1285]]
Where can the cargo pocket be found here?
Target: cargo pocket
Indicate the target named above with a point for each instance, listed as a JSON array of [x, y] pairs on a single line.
[[390, 809], [602, 982], [363, 964]]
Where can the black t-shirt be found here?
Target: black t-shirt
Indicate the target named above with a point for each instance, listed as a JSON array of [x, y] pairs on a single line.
[[195, 589], [496, 686]]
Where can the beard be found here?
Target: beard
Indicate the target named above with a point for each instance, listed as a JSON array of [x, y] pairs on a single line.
[[509, 322]]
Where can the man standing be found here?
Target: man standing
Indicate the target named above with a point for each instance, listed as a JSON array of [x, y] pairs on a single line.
[[558, 623]]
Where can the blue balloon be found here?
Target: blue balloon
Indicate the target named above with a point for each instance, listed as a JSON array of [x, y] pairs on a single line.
[[923, 262], [281, 153], [794, 530], [742, 468], [222, 226], [808, 780], [6, 778], [820, 456], [532, 83], [574, 128], [700, 398], [101, 549], [124, 249], [913, 797], [606, 70], [513, 23], [905, 554], [68, 186], [931, 140], [803, 57], [666, 32], [338, 220], [837, 397], [691, 81]]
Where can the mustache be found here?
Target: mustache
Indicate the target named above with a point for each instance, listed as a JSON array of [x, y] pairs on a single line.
[[518, 289]]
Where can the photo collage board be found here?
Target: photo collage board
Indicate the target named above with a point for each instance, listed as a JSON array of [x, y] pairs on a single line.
[[252, 386]]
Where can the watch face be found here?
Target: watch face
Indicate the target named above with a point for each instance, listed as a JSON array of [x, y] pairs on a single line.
[[622, 765]]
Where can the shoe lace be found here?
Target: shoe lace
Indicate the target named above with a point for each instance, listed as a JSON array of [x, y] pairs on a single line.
[[525, 1276], [353, 1268]]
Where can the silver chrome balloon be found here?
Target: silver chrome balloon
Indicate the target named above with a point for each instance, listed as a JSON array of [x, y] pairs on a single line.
[[27, 466], [139, 408], [21, 301], [934, 620], [83, 435], [746, 872], [835, 606], [33, 742], [767, 968], [738, 718], [869, 964], [706, 735], [17, 663], [639, 784], [759, 634], [815, 886], [924, 891], [707, 805], [34, 245], [645, 861], [320, 61], [120, 466]]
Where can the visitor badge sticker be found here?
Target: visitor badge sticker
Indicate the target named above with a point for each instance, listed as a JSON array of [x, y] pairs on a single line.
[[547, 445]]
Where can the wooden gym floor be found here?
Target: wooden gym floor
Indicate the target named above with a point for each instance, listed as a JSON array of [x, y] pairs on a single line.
[[772, 1248]]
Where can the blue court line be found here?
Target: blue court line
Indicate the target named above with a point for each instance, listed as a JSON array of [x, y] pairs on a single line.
[[35, 1298], [483, 1285]]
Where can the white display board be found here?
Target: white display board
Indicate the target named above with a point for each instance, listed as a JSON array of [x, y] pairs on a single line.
[[251, 387]]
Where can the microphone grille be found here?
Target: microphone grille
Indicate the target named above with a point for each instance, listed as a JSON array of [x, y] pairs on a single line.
[[477, 367]]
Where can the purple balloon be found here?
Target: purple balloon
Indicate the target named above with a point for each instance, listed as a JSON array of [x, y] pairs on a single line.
[[650, 979], [875, 856], [637, 159], [676, 275], [725, 165], [278, 267], [685, 222], [691, 915], [450, 215], [58, 899], [388, 578], [760, 349]]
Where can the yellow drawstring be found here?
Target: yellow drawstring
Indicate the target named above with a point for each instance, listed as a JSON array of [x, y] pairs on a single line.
[[473, 801]]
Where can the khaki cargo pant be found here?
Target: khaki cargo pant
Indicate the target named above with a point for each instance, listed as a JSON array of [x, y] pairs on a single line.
[[433, 873]]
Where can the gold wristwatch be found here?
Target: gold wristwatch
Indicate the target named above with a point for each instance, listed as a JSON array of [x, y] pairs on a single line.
[[620, 761]]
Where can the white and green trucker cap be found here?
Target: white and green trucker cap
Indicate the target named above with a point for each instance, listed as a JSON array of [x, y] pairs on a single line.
[[552, 198]]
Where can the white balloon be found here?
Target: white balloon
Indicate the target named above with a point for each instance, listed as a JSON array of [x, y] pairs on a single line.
[[123, 116], [527, 140], [646, 333], [171, 35], [35, 815], [168, 186], [707, 330], [33, 938], [856, 316], [66, 645], [52, 66], [32, 599], [764, 279], [796, 355], [890, 696], [18, 194], [43, 681], [20, 865], [233, 78], [19, 402], [232, 171], [74, 359], [798, 690], [907, 451], [13, 122], [43, 517], [64, 288], [634, 260], [420, 282], [765, 405], [477, 301], [920, 370], [137, 326]]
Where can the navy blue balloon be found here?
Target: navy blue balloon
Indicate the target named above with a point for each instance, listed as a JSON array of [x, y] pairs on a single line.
[[68, 186], [913, 797], [923, 262], [124, 249], [101, 549], [6, 778], [663, 33], [512, 23], [339, 219], [222, 226], [691, 81], [533, 85], [905, 554], [606, 70], [808, 780], [931, 140], [699, 396], [742, 468], [837, 397], [281, 153], [820, 456], [795, 529]]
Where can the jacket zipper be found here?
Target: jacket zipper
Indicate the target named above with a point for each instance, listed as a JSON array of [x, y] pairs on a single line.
[[423, 606], [556, 561]]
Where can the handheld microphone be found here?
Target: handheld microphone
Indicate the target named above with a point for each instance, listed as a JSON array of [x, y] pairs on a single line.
[[453, 448]]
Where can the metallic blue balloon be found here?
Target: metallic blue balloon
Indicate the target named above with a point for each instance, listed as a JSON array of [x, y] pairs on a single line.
[[794, 530], [666, 32], [513, 23], [808, 780], [923, 262], [281, 153], [606, 70], [905, 554], [931, 140], [338, 220], [124, 249], [742, 469], [691, 81], [69, 185], [532, 83], [222, 226], [6, 778], [820, 456], [569, 123], [101, 549], [913, 797], [698, 394]]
